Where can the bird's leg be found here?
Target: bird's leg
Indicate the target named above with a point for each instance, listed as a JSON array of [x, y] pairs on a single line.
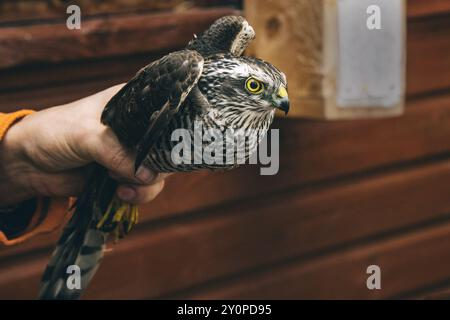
[[119, 218]]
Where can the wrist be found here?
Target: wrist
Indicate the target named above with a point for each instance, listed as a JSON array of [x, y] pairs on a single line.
[[13, 167]]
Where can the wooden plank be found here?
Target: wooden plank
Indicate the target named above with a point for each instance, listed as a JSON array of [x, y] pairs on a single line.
[[428, 46], [408, 262], [102, 36], [440, 293], [26, 11], [311, 152], [40, 98], [31, 77], [13, 11], [180, 253], [420, 8]]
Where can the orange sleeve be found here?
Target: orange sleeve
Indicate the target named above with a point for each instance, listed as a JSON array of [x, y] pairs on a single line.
[[48, 215], [8, 119]]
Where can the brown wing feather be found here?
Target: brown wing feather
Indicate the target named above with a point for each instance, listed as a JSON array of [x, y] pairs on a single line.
[[229, 34], [146, 104]]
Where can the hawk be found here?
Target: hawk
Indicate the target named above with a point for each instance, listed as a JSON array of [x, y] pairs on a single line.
[[208, 83]]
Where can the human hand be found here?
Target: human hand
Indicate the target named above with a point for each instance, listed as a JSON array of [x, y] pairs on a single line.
[[48, 154]]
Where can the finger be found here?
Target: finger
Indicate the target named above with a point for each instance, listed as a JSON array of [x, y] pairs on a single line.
[[108, 151], [137, 194], [102, 144], [161, 177]]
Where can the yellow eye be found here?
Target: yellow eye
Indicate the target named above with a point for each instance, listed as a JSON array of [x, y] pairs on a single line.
[[254, 86]]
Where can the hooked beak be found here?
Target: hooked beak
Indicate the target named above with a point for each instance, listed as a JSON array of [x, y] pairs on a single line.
[[281, 100]]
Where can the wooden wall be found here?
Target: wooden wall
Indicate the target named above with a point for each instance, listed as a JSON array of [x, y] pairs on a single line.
[[349, 193]]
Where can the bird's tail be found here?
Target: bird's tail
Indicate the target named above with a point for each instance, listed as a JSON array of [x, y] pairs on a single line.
[[97, 213]]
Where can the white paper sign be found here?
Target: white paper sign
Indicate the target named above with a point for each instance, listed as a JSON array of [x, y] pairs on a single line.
[[371, 60]]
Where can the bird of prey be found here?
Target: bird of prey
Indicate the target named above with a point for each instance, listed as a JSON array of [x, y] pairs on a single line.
[[209, 82]]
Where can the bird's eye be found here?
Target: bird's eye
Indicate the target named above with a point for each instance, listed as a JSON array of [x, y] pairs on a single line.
[[254, 86]]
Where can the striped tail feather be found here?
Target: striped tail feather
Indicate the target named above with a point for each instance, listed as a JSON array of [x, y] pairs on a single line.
[[78, 246], [97, 212]]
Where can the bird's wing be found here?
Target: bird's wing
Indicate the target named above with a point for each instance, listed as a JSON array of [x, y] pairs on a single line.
[[151, 99], [229, 34]]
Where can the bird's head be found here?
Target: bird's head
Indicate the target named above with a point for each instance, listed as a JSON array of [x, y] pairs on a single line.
[[244, 84]]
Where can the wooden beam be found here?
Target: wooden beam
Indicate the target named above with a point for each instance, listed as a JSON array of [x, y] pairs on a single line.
[[13, 11], [100, 37], [440, 291], [407, 263], [32, 11], [428, 61], [23, 79], [420, 8]]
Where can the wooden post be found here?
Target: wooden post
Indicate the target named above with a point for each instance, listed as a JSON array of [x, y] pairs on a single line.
[[343, 58]]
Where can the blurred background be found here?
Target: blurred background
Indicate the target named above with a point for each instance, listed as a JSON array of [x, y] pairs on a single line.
[[349, 193]]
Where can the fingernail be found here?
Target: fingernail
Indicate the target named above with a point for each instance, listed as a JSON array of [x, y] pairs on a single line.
[[144, 174], [126, 193]]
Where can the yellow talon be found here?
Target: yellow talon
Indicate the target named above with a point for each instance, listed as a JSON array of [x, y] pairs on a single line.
[[119, 214], [134, 215], [119, 218], [136, 219], [105, 216]]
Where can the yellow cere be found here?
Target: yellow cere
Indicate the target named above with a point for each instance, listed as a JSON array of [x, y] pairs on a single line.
[[282, 92]]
